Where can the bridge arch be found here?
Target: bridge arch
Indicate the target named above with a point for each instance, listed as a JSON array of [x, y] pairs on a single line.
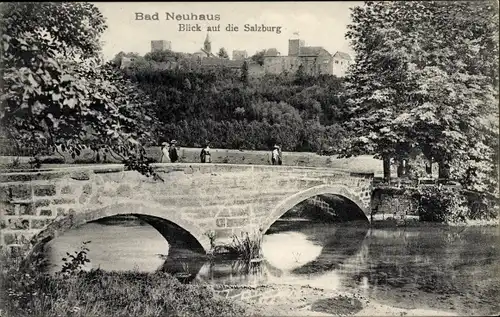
[[297, 198], [145, 211]]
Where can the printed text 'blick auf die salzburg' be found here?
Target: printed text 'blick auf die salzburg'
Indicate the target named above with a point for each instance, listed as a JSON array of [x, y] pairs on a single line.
[[196, 27]]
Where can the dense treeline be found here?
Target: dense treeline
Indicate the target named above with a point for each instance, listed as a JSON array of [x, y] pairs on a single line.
[[302, 114]]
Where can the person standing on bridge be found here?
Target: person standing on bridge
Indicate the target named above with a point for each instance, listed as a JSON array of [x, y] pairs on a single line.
[[205, 156], [165, 157], [275, 156], [280, 155], [172, 151]]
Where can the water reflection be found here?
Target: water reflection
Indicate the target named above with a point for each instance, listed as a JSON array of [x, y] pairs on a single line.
[[339, 245], [424, 267], [446, 267], [220, 270], [234, 272], [313, 254], [289, 250], [112, 247]]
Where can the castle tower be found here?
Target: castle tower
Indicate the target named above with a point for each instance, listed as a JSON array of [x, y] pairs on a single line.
[[207, 46], [294, 46], [239, 55], [160, 45]]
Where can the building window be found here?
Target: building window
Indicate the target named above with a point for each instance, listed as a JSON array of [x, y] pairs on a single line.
[[341, 63], [336, 62]]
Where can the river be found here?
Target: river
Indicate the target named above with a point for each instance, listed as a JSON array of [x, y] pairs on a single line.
[[453, 269]]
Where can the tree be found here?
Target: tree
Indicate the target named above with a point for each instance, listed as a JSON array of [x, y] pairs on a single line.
[[457, 89], [163, 56], [376, 89], [57, 94], [426, 74], [244, 72], [222, 53], [259, 57], [300, 75]]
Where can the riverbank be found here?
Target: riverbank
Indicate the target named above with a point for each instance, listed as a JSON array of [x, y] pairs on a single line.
[[100, 293], [415, 222], [394, 289], [291, 300]]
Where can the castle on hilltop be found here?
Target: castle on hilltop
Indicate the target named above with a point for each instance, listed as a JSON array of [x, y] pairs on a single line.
[[315, 60], [206, 58]]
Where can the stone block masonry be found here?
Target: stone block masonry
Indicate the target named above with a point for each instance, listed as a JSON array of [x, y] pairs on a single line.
[[393, 204], [225, 199]]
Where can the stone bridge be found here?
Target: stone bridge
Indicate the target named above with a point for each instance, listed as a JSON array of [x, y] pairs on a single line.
[[194, 202]]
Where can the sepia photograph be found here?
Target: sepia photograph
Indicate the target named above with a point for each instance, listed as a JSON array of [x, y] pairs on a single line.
[[333, 158]]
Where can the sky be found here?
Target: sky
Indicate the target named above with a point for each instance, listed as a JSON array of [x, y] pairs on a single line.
[[317, 23]]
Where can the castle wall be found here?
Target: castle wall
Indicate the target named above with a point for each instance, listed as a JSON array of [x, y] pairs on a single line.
[[339, 66], [255, 70], [326, 67], [239, 55], [312, 65], [279, 64], [318, 65]]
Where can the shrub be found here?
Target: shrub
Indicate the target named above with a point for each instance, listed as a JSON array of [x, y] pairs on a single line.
[[442, 204], [482, 206], [75, 263], [445, 204], [246, 247]]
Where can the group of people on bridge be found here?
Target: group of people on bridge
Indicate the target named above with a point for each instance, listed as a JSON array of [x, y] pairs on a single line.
[[170, 154]]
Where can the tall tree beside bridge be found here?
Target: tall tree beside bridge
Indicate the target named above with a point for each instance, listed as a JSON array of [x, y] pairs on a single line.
[[426, 76], [57, 93]]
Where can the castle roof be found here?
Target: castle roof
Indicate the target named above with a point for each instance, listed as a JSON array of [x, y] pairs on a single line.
[[342, 55], [312, 51]]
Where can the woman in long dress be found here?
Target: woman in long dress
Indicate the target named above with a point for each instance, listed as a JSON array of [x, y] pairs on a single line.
[[172, 151], [165, 157], [205, 156], [275, 155]]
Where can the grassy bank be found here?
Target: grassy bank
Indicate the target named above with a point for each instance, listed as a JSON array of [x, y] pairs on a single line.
[[100, 293]]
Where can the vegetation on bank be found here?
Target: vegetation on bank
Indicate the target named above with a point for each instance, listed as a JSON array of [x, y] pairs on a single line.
[[74, 292], [247, 247], [198, 105], [405, 95], [447, 205]]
